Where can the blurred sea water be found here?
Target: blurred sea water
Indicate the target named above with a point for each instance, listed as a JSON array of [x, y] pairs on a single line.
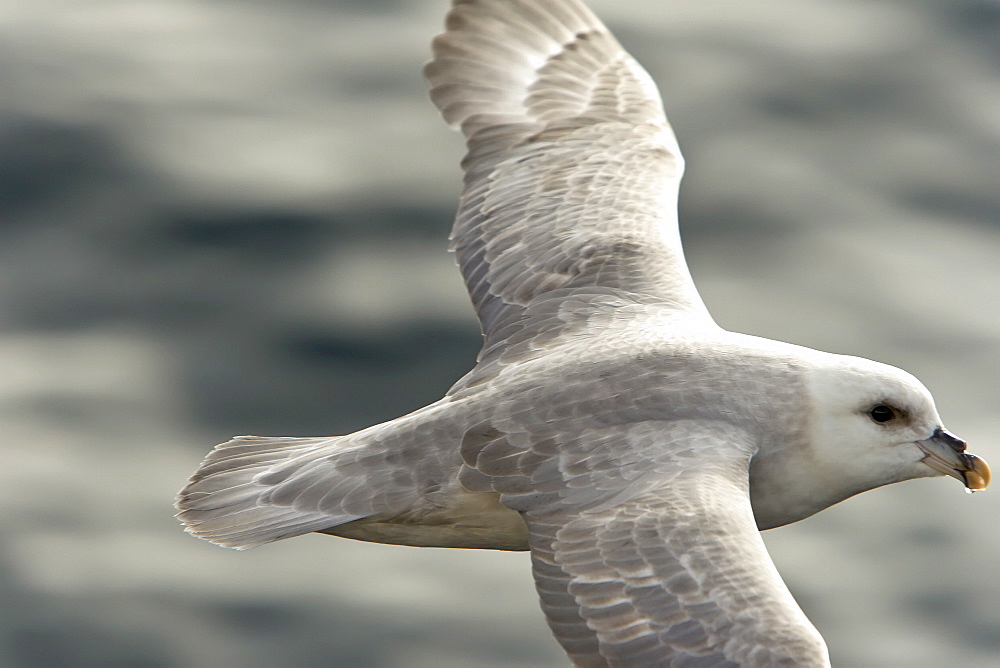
[[222, 218]]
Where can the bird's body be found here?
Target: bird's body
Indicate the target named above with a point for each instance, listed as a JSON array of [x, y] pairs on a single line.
[[609, 426]]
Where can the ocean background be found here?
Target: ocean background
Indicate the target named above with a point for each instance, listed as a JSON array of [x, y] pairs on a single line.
[[223, 218]]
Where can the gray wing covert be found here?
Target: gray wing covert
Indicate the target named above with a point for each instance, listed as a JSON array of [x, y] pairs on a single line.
[[572, 170], [644, 547]]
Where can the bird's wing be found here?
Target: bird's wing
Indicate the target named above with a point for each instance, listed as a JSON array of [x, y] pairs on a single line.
[[643, 543], [572, 170]]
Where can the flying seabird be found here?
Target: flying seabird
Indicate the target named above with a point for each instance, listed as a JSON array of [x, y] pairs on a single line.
[[609, 426]]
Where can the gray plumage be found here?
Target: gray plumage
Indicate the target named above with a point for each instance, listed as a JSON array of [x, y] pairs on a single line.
[[609, 426]]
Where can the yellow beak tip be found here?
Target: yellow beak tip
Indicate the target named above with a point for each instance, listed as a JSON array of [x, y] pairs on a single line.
[[978, 476]]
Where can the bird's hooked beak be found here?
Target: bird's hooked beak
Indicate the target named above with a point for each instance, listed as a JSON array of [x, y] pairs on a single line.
[[945, 452]]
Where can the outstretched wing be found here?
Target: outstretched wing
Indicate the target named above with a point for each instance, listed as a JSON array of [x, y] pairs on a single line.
[[644, 546], [572, 170]]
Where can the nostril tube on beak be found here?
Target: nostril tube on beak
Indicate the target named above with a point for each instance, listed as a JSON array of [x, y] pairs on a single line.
[[954, 442]]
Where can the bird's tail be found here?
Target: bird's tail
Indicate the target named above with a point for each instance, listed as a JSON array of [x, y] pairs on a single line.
[[254, 490]]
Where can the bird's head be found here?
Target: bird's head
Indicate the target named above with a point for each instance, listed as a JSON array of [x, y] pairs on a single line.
[[868, 425], [879, 424]]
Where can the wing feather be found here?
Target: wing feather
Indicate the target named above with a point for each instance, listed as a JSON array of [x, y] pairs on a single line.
[[642, 553], [572, 170]]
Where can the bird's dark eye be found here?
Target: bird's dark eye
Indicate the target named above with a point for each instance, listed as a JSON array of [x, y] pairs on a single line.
[[883, 413]]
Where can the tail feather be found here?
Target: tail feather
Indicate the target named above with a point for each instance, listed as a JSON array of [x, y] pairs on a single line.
[[235, 499]]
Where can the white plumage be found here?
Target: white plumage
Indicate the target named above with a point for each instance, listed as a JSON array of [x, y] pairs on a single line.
[[609, 426]]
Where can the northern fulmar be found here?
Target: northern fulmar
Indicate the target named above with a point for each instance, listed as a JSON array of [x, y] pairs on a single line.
[[609, 426]]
